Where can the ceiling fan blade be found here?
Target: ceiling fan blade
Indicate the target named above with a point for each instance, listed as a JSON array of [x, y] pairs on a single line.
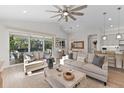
[[66, 18], [55, 16], [72, 17], [71, 6], [79, 8], [64, 6], [60, 18], [56, 6], [52, 11], [77, 13]]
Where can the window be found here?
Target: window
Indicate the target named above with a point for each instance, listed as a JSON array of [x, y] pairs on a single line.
[[48, 45], [36, 44], [18, 45]]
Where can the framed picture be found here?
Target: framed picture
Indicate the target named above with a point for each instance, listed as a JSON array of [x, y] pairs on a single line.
[[77, 45]]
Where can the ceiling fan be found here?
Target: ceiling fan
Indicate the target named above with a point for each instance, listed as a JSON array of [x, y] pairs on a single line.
[[65, 12]]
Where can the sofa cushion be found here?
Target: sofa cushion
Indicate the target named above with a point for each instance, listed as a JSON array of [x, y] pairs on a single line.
[[75, 55], [41, 55], [98, 60], [81, 59], [36, 55], [94, 69], [70, 55], [74, 63], [90, 57]]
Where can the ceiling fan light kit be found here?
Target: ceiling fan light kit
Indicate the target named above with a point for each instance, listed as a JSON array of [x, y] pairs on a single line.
[[67, 12]]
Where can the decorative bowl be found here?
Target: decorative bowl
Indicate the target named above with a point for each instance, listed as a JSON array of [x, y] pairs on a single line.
[[68, 76]]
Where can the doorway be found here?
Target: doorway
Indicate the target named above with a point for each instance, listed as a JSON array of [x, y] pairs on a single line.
[[92, 43]]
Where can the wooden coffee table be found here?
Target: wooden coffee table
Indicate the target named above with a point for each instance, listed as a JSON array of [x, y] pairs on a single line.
[[56, 79]]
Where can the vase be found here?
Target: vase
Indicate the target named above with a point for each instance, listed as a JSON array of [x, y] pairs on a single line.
[[50, 62]]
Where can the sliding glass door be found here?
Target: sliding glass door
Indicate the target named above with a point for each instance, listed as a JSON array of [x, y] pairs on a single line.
[[48, 47], [20, 44], [36, 44]]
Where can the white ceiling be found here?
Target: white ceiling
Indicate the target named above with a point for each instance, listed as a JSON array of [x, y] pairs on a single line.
[[93, 18]]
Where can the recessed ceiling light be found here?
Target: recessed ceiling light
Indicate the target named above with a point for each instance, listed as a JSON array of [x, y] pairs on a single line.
[[24, 11], [109, 19], [111, 25]]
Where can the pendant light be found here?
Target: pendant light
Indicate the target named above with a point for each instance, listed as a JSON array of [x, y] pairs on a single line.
[[118, 35], [104, 36]]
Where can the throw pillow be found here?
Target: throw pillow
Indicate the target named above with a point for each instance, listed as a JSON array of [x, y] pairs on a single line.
[[36, 55], [74, 55], [98, 60], [30, 58], [41, 55], [81, 59], [90, 57], [71, 56]]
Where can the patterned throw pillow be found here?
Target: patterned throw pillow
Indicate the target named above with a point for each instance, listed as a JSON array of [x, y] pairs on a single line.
[[29, 57]]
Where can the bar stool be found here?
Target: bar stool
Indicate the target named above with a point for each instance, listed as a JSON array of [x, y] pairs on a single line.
[[111, 58], [119, 60], [123, 61]]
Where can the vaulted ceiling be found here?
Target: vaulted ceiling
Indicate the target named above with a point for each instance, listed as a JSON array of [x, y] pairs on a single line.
[[92, 20]]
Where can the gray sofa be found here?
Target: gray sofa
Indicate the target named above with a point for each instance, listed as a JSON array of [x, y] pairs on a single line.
[[90, 69]]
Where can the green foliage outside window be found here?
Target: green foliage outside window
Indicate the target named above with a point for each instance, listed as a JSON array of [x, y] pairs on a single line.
[[18, 43], [48, 44]]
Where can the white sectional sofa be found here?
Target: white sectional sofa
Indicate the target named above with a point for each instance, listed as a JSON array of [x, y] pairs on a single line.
[[86, 66]]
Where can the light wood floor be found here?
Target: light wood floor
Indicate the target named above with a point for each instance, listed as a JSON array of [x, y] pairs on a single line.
[[116, 77], [14, 77]]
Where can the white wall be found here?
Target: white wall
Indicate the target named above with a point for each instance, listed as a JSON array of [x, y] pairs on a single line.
[[4, 48], [82, 35], [15, 26], [43, 27]]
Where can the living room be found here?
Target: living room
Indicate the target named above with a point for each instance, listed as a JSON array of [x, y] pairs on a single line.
[[71, 41]]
